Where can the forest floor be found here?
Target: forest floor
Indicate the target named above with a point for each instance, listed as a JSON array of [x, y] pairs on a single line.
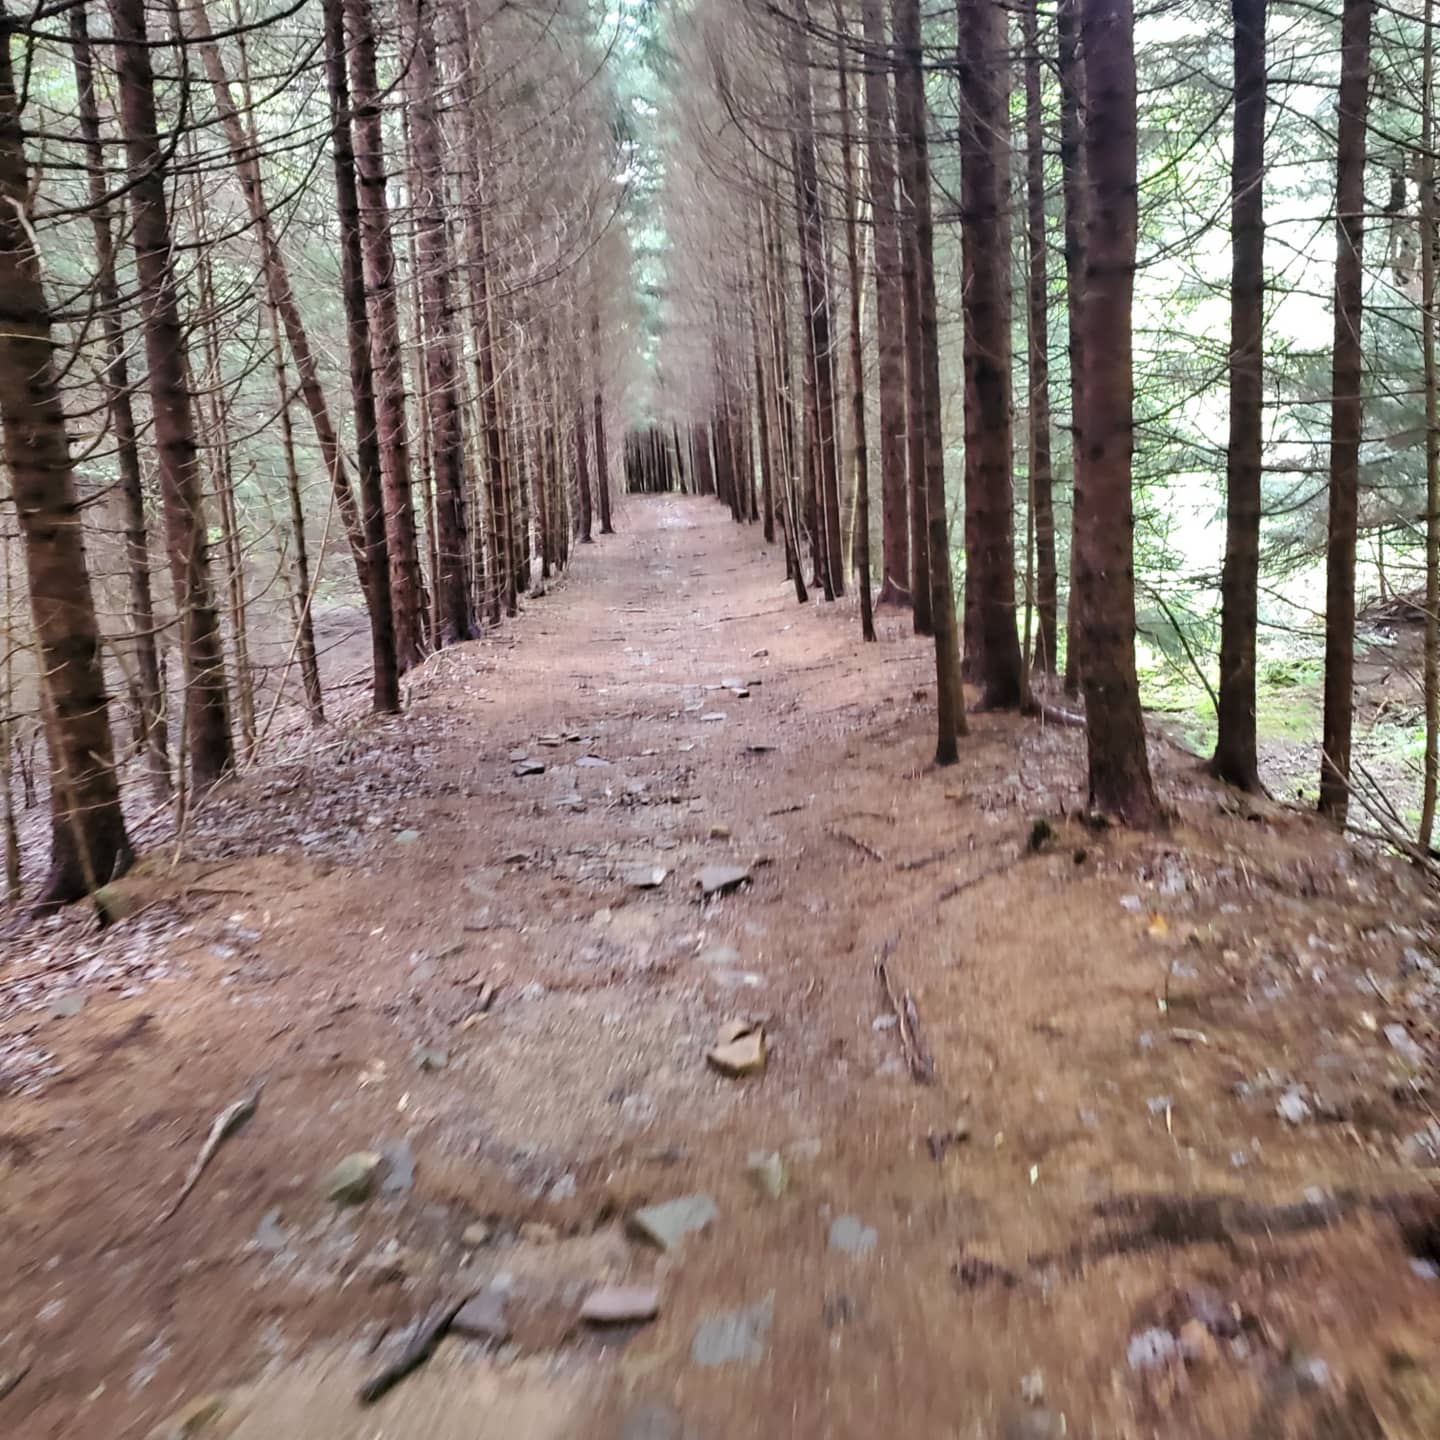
[[1169, 1175]]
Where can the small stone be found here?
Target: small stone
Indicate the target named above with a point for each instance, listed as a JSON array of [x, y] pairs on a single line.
[[476, 1235], [399, 1168], [1151, 1349], [646, 877], [1292, 1106], [717, 880], [802, 1151], [352, 1181], [65, 1007], [852, 1236], [482, 1317], [1424, 1269], [531, 767], [1413, 962], [1032, 1388], [268, 1233], [591, 762], [430, 1057], [667, 1224], [517, 755], [767, 1170], [713, 717], [884, 1022], [621, 1305], [735, 1337], [720, 832], [1404, 1046], [193, 1419], [538, 1232], [725, 955], [744, 1055], [408, 837], [1312, 1374]]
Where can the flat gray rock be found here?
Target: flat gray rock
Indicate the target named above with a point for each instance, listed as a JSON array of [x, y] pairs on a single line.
[[667, 1224], [590, 762], [646, 877], [482, 1317], [353, 1179], [735, 1337], [850, 1235], [529, 767], [719, 879], [399, 1168], [621, 1305], [654, 1422]]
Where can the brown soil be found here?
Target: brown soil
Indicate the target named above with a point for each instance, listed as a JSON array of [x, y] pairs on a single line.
[[1113, 1020]]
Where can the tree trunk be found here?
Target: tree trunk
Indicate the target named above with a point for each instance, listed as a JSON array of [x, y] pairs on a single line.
[[385, 671], [89, 845], [1235, 758], [1041, 478], [925, 375], [447, 438], [911, 329], [602, 449], [1345, 411], [582, 472], [142, 643], [857, 358], [992, 645], [243, 156], [407, 586], [1072, 185], [889, 322], [1432, 433], [1104, 519], [212, 752], [815, 287]]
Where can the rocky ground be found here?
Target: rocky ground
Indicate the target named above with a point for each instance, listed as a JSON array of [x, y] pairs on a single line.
[[644, 1042]]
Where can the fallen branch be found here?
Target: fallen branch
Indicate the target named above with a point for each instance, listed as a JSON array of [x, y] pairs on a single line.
[[907, 1022], [428, 1334], [858, 843], [226, 1123]]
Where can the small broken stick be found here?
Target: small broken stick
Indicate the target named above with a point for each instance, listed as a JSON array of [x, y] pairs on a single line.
[[922, 1064], [226, 1123], [428, 1334]]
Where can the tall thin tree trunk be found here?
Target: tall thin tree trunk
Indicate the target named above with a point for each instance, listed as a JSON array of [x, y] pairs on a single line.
[[857, 358], [89, 844], [925, 373], [1235, 755], [1104, 520], [889, 322], [1044, 591], [602, 449], [385, 670], [582, 472], [211, 748], [1346, 410], [1073, 188], [1432, 432], [243, 156], [142, 643], [439, 338], [992, 646], [407, 588]]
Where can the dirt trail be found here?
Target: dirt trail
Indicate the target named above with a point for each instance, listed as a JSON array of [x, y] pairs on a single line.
[[1095, 1221]]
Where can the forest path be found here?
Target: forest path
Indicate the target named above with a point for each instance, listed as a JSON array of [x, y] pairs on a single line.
[[972, 1256]]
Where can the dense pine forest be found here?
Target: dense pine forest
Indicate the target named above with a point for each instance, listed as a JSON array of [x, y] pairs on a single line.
[[719, 718]]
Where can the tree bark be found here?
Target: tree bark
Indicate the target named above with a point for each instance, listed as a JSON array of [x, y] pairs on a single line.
[[89, 844], [1072, 185], [1041, 476], [1432, 433], [924, 375], [1346, 411], [407, 586], [889, 321], [384, 669], [1119, 767], [992, 644], [1235, 758], [151, 718], [212, 754], [243, 156], [447, 437], [602, 449], [857, 358]]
